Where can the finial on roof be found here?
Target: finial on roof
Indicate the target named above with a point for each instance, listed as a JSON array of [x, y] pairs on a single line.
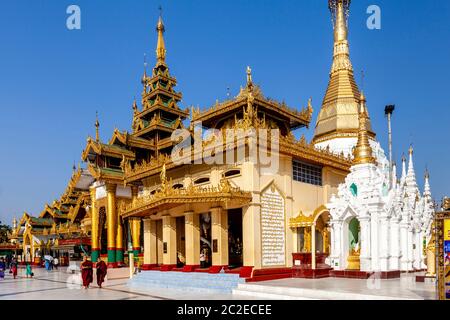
[[97, 125], [363, 153], [249, 75], [144, 76], [161, 46], [411, 150], [135, 107]]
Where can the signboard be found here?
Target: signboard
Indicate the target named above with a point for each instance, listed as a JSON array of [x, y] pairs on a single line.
[[273, 232], [447, 258], [443, 254]]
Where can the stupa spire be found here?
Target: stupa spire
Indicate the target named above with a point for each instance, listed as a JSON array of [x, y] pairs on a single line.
[[411, 182], [97, 126], [427, 188], [339, 115], [363, 151], [161, 46], [394, 175], [403, 176]]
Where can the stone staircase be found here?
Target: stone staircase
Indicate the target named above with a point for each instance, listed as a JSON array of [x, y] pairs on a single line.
[[187, 281]]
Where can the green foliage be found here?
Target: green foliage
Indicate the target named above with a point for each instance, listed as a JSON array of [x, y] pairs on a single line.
[[4, 229]]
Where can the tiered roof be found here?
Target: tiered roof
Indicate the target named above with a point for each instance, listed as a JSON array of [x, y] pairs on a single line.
[[160, 114]]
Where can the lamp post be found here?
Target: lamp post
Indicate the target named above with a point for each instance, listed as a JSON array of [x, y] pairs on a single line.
[[388, 111]]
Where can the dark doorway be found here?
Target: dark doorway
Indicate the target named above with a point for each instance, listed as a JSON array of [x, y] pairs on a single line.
[[102, 230], [235, 247], [205, 241]]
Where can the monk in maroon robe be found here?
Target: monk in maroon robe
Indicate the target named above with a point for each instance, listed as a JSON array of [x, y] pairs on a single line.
[[86, 272], [102, 270]]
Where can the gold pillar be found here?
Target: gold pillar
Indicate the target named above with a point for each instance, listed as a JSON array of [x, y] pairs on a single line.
[[313, 246], [307, 239], [111, 223], [150, 243], [119, 241], [169, 241], [135, 224], [192, 236], [95, 248], [219, 235]]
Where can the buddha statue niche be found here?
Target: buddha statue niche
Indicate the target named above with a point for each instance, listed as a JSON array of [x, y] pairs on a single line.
[[353, 260]]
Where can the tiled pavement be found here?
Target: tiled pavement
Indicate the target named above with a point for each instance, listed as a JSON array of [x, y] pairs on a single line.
[[59, 285]]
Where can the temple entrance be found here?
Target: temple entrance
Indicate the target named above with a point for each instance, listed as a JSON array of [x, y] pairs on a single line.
[[235, 248], [103, 234], [181, 242], [205, 241]]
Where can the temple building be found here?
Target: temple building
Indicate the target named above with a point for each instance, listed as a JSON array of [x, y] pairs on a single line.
[[230, 189]]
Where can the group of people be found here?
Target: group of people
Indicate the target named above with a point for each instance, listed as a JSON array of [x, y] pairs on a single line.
[[50, 264], [87, 272], [12, 267]]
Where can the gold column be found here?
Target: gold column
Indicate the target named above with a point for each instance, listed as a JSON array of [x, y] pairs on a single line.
[[111, 223], [119, 241], [192, 236], [313, 246], [135, 224], [219, 235], [169, 242], [150, 245], [95, 248]]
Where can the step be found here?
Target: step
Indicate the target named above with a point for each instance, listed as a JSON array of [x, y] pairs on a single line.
[[192, 281], [295, 293]]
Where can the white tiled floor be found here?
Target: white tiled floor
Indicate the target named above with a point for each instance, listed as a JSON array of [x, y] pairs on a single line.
[[337, 288], [59, 285]]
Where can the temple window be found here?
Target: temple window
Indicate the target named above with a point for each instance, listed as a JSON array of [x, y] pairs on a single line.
[[232, 173], [201, 180], [178, 186], [354, 189], [307, 173]]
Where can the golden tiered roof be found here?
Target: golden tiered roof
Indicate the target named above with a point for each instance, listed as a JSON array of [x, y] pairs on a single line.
[[338, 117], [215, 116]]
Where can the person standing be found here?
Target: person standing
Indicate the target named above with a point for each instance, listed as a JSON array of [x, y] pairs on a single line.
[[47, 265], [14, 267], [102, 270], [2, 269], [29, 271], [86, 272]]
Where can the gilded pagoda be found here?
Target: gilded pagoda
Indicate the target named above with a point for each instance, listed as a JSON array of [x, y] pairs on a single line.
[[185, 190]]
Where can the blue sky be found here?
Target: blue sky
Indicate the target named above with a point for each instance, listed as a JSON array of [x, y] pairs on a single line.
[[52, 80]]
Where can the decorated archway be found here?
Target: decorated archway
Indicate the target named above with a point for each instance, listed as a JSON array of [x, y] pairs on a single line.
[[313, 234]]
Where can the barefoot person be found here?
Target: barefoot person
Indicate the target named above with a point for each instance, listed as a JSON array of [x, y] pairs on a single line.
[[14, 268], [2, 268], [29, 271], [86, 272], [102, 270]]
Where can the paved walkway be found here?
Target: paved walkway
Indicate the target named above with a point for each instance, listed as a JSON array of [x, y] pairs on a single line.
[[60, 285], [405, 288]]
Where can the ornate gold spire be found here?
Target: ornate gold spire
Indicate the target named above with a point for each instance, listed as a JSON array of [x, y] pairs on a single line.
[[338, 117], [161, 46], [363, 151], [97, 125]]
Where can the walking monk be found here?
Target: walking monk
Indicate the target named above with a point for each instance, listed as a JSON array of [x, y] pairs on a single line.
[[102, 270], [86, 272]]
